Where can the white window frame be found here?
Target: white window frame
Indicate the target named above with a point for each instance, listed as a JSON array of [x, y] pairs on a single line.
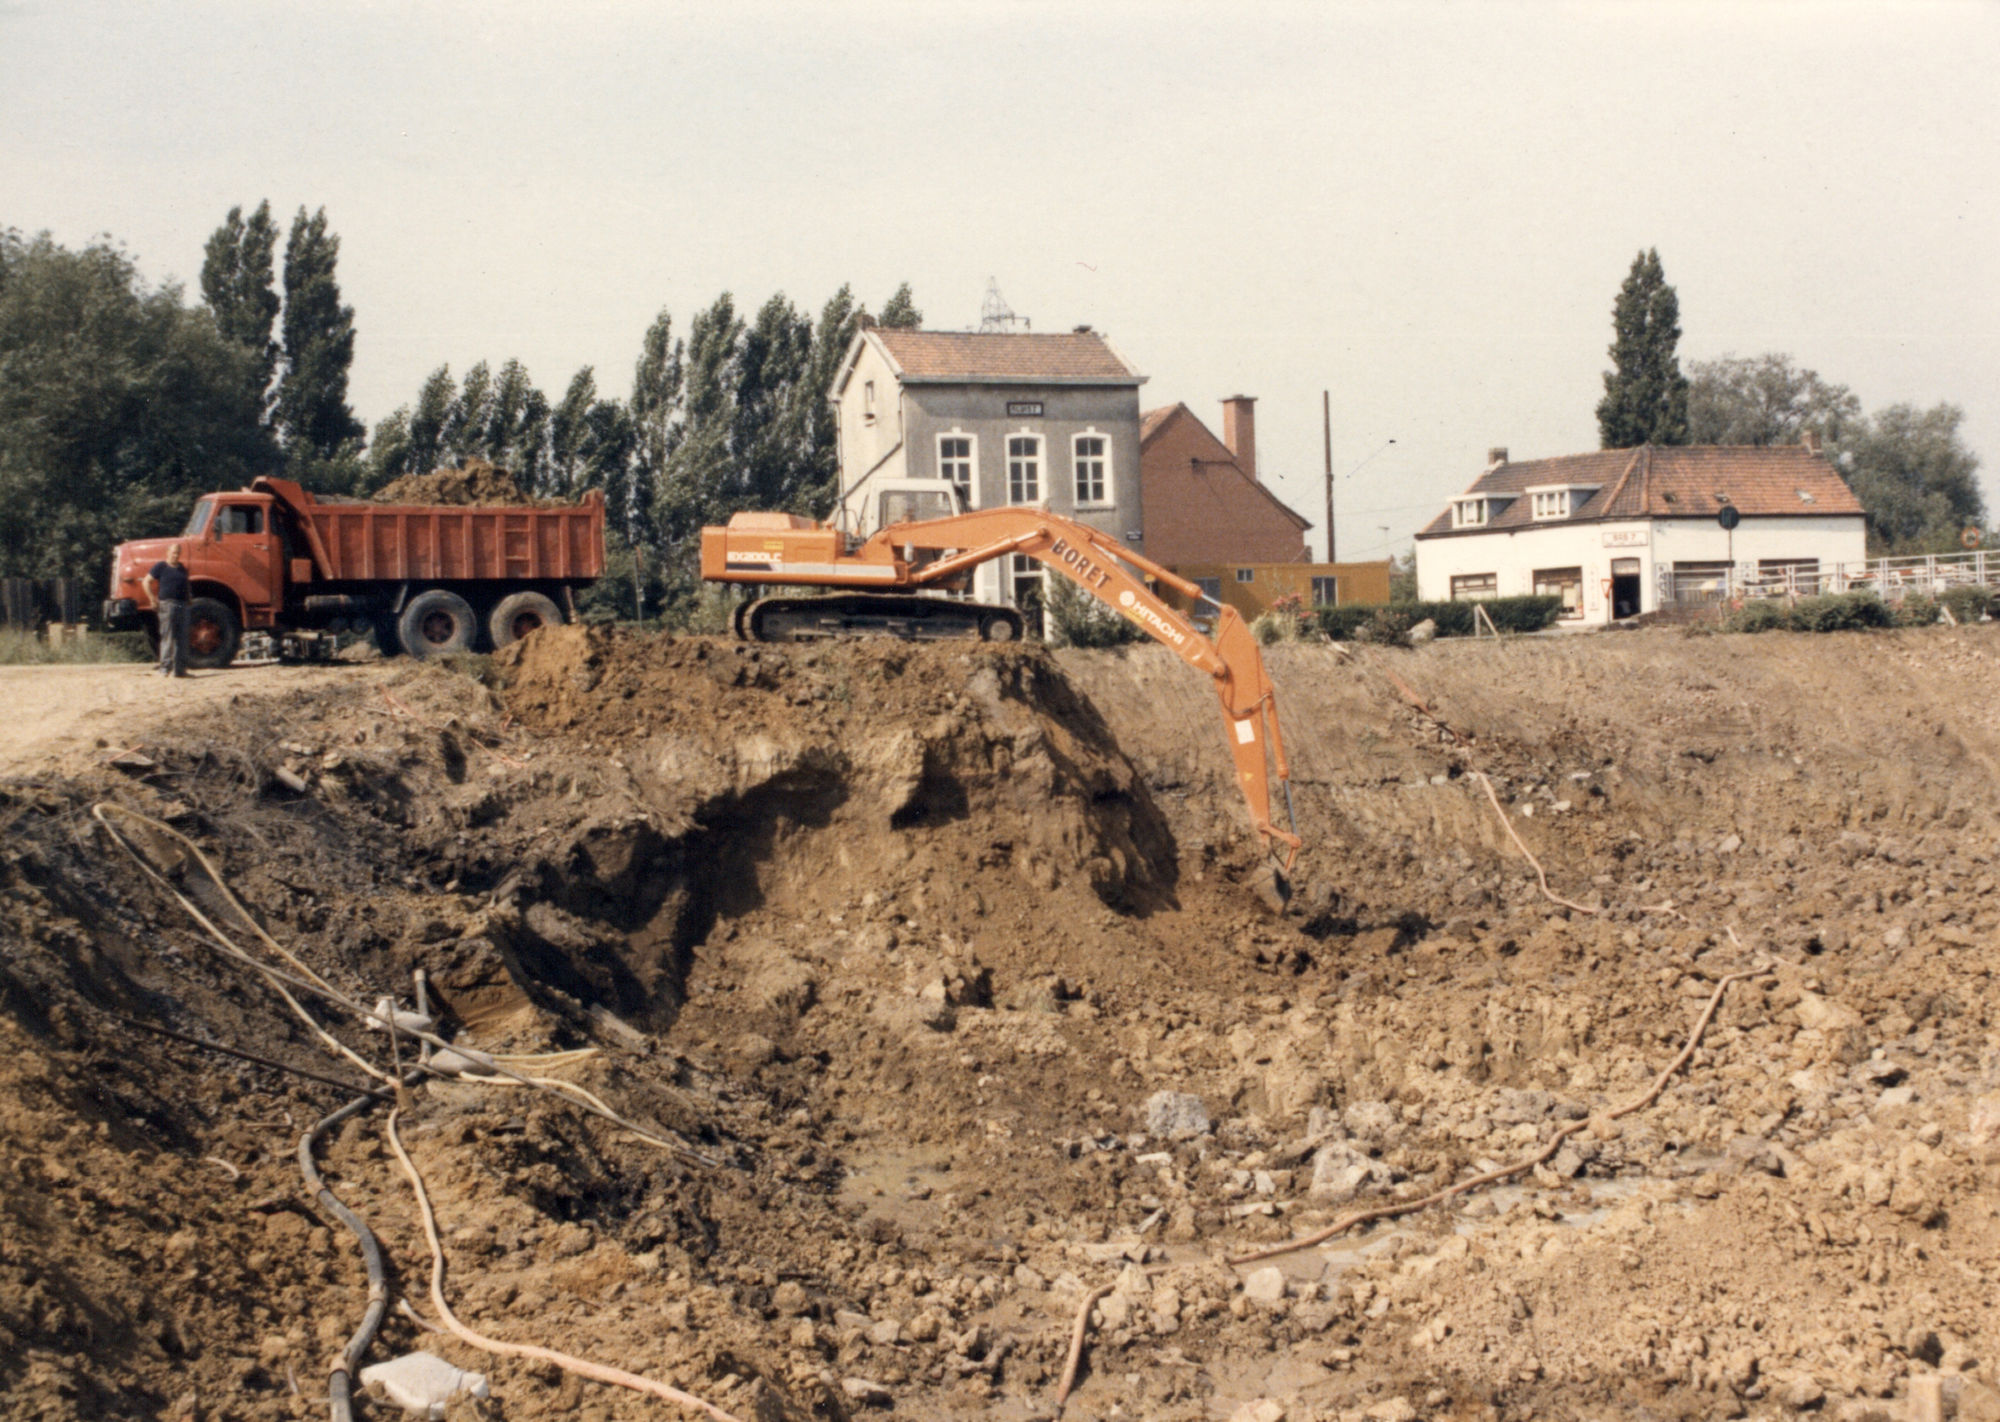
[[1550, 503], [970, 488], [1475, 587], [1469, 513], [1328, 583], [1034, 460], [1102, 460]]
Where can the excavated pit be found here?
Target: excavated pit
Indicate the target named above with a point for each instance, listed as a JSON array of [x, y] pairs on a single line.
[[905, 940]]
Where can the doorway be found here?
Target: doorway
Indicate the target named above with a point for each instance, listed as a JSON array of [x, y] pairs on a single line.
[[1624, 588]]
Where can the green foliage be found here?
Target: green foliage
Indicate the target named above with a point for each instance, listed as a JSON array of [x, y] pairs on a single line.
[[900, 311], [1968, 604], [1645, 395], [1076, 619], [1765, 400], [1287, 620], [118, 404], [1916, 478], [1915, 611], [1362, 622], [1838, 612], [315, 426], [237, 285]]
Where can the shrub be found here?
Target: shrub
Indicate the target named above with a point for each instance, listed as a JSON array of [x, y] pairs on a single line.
[[1453, 619], [1916, 611], [1076, 619], [1764, 614], [1287, 620], [1840, 612], [1968, 604]]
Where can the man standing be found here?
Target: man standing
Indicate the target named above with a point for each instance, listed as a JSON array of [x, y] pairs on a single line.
[[167, 586]]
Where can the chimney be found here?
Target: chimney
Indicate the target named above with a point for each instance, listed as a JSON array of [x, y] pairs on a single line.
[[1239, 431], [1810, 439], [1496, 456]]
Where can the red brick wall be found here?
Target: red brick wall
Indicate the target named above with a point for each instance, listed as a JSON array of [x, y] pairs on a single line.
[[1207, 512]]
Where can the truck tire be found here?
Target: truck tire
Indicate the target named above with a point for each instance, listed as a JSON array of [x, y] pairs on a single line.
[[518, 614], [213, 634], [437, 623]]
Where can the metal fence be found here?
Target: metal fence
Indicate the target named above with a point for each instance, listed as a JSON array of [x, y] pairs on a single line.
[[1926, 575]]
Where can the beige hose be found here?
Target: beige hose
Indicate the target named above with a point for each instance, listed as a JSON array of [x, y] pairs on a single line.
[[582, 1368]]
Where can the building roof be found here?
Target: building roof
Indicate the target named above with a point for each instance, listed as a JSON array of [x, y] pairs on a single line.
[[1072, 358], [1152, 422], [1664, 481]]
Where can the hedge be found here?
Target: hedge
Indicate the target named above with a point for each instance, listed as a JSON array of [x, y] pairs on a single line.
[[1391, 622], [1839, 612]]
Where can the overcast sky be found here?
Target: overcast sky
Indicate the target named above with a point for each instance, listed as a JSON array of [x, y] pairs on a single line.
[[1426, 209]]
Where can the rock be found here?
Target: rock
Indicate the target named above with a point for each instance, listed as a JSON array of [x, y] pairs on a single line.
[[885, 1334], [1801, 1393], [789, 1298], [925, 1327], [1818, 1015], [1394, 1409], [865, 1392], [1978, 1403], [1027, 1278], [1340, 1172], [1265, 1286], [1264, 1409], [1730, 844], [1372, 1121], [1982, 1126], [422, 1382], [1425, 631], [1897, 1096], [1176, 1116]]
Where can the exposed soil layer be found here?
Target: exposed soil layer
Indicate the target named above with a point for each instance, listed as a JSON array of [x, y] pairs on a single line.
[[946, 966]]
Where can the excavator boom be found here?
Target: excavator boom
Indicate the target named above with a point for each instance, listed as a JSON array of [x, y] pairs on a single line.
[[888, 569]]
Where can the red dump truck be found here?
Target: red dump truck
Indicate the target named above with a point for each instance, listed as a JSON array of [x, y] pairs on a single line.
[[429, 579]]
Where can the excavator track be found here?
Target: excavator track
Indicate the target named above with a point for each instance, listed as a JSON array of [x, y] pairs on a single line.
[[914, 617]]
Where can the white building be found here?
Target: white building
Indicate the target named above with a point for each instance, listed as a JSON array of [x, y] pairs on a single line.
[[1626, 531]]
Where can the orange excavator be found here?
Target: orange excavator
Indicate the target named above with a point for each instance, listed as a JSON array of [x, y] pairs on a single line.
[[890, 583]]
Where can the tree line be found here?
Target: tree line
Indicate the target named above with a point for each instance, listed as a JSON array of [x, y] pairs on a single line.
[[121, 401], [1907, 465]]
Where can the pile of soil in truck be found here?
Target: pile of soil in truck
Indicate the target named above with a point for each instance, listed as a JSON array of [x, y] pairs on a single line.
[[931, 993]]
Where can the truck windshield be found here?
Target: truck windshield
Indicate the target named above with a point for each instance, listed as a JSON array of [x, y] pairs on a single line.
[[198, 521]]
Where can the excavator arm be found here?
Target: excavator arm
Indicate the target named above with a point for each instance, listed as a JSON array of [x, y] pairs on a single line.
[[942, 552]]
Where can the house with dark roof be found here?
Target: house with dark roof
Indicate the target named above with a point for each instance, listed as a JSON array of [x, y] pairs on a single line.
[[1009, 417], [1621, 532]]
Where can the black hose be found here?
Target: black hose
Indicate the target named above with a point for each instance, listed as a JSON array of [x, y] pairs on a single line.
[[340, 1386]]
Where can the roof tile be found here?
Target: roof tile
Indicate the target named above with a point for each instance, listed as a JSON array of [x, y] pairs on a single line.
[[1670, 481], [1081, 356]]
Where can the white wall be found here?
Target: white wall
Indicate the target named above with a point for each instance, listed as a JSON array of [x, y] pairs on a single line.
[[1514, 554]]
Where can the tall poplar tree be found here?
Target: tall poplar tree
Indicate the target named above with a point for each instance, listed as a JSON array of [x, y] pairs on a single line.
[[312, 417], [238, 285], [1645, 395]]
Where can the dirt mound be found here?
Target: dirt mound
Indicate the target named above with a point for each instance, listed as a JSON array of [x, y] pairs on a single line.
[[474, 482], [942, 956]]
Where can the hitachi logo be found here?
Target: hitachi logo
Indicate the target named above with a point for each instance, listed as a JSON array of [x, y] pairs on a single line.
[[1140, 613]]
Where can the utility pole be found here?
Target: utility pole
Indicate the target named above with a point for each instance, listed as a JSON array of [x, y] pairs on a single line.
[[1326, 414]]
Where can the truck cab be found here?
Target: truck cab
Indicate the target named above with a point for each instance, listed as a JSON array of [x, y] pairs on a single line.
[[234, 550]]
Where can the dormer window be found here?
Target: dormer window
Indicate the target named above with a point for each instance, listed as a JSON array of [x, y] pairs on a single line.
[[1468, 513], [1554, 501]]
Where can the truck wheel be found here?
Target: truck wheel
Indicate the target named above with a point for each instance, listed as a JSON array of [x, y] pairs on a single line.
[[437, 623], [213, 633], [520, 613]]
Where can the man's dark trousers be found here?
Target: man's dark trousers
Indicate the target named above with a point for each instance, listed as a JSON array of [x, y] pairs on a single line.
[[173, 636]]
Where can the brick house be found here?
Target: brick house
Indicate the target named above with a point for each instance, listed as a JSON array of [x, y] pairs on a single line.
[[1212, 520], [1621, 532], [1011, 418]]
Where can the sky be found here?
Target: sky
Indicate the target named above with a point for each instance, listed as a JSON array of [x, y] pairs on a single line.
[[1423, 210]]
